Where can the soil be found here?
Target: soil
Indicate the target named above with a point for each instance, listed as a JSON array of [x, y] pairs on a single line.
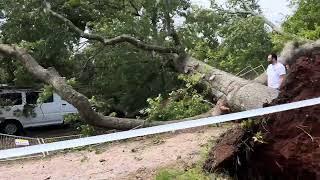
[[138, 158], [292, 138]]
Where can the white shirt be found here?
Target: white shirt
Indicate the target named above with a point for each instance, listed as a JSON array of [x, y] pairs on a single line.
[[274, 71]]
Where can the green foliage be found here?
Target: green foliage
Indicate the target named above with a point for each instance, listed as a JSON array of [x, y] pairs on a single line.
[[226, 41], [193, 174], [86, 130], [249, 124], [72, 81], [99, 105], [189, 105], [200, 30], [28, 26], [305, 22], [122, 79], [240, 47], [45, 94], [74, 3], [71, 118], [279, 41], [181, 103], [4, 75], [75, 121], [259, 138]]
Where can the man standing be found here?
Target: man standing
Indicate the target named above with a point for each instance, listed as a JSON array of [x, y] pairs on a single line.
[[275, 72]]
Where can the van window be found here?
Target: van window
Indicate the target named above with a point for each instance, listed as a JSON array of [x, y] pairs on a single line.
[[10, 99], [32, 97]]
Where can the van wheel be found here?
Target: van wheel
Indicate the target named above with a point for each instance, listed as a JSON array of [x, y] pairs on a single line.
[[12, 127]]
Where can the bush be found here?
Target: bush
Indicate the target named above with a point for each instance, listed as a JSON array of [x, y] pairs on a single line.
[[75, 121], [169, 109], [181, 103]]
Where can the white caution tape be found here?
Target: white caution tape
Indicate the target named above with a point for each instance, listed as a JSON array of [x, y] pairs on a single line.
[[22, 151]]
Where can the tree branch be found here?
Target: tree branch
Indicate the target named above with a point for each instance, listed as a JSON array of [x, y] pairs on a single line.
[[112, 41], [248, 10], [273, 26], [170, 27]]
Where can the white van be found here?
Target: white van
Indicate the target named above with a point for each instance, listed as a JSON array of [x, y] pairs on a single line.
[[50, 112]]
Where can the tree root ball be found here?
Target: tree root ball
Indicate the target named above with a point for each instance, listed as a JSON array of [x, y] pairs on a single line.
[[290, 147]]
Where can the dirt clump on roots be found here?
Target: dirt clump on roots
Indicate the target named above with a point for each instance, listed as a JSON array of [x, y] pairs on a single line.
[[291, 140]]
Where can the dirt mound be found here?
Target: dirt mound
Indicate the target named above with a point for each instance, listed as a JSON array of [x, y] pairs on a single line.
[[292, 148]]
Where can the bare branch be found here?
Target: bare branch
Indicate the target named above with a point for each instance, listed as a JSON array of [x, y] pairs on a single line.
[[119, 39], [90, 59], [274, 27], [306, 133], [170, 27], [250, 11]]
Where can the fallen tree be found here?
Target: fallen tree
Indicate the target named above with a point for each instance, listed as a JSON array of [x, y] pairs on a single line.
[[236, 87], [238, 93]]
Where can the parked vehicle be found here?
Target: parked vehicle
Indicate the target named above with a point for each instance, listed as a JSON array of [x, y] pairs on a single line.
[[19, 109]]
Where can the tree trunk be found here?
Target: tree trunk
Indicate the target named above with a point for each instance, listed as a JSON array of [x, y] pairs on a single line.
[[240, 94]]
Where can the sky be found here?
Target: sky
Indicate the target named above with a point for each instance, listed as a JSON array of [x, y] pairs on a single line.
[[274, 10]]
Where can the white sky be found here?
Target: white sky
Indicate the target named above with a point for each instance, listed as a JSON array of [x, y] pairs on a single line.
[[274, 10]]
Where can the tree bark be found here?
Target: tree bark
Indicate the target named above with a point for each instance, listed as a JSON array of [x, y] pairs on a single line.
[[240, 94]]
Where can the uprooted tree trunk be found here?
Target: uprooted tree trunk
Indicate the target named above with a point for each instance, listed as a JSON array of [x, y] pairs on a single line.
[[240, 94]]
